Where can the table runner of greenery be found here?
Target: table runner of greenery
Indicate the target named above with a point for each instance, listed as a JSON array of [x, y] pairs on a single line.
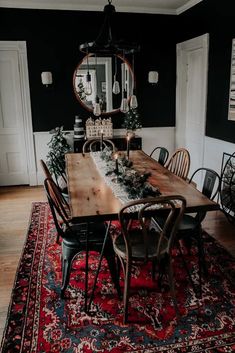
[[126, 183]]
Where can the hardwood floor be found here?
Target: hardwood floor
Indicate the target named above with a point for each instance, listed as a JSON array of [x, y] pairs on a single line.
[[15, 208]]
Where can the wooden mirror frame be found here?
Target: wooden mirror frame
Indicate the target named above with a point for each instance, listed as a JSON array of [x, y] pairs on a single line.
[[84, 105]]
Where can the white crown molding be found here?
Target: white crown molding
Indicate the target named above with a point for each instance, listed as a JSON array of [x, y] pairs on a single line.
[[145, 9], [187, 6], [75, 6]]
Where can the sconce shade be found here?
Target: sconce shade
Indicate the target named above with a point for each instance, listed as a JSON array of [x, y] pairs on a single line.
[[46, 77], [153, 77]]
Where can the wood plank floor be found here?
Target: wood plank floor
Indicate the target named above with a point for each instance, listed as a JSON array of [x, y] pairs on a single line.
[[15, 208]]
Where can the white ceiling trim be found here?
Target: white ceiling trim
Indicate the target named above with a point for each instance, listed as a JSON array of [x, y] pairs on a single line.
[[66, 5], [187, 6]]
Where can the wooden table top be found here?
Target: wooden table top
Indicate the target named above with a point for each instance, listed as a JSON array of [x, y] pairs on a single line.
[[91, 198]]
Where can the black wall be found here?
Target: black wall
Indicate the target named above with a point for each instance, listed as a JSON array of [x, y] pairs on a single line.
[[53, 38], [216, 18]]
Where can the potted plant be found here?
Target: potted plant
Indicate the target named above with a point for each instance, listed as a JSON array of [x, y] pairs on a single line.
[[132, 121], [58, 146]]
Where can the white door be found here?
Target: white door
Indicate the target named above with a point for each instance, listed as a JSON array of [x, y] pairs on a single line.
[[14, 166], [192, 67]]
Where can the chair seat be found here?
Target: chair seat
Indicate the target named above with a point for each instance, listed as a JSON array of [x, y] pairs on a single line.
[[77, 234], [137, 245], [187, 223]]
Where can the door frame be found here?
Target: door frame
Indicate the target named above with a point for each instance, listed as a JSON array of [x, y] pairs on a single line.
[[181, 85], [21, 48]]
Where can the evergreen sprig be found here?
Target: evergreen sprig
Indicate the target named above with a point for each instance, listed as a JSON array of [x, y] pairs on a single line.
[[132, 120], [58, 146], [135, 183]]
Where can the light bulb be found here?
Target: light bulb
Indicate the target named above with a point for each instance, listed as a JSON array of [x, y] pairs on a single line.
[[124, 105], [97, 110], [133, 101], [88, 86], [116, 86]]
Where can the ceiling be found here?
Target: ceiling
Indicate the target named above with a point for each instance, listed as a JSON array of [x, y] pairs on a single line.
[[171, 7]]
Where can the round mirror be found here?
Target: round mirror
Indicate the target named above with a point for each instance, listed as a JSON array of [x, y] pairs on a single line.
[[104, 80]]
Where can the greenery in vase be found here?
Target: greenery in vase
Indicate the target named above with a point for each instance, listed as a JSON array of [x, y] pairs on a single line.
[[58, 146], [132, 120]]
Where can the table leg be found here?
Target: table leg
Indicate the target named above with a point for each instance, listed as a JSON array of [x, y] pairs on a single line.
[[99, 265]]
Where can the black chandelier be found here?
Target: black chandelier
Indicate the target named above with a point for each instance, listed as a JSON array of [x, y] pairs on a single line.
[[106, 45]]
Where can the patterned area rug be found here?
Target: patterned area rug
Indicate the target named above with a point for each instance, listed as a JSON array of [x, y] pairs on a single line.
[[40, 322]]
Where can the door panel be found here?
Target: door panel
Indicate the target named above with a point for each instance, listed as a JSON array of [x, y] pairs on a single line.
[[13, 163], [195, 119], [192, 65]]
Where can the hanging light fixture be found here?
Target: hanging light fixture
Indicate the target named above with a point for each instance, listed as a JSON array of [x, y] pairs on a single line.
[[133, 100], [88, 86], [97, 109], [106, 45], [124, 103], [116, 86]]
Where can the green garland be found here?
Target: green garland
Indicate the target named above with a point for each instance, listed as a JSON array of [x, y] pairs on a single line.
[[134, 183]]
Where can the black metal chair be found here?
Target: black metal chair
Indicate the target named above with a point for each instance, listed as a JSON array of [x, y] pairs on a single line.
[[227, 190], [79, 237], [146, 244], [160, 154], [190, 227]]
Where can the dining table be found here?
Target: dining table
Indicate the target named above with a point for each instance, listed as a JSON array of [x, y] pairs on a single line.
[[91, 199]]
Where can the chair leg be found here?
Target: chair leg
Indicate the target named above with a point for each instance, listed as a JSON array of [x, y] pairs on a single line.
[[126, 290], [110, 257], [154, 263], [86, 267], [201, 260], [201, 251], [99, 264], [67, 258], [58, 238], [172, 286]]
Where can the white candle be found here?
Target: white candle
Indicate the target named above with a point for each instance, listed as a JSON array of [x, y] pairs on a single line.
[[101, 139], [128, 146], [116, 162]]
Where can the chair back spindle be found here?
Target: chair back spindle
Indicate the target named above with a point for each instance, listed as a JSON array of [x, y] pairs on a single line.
[[179, 163]]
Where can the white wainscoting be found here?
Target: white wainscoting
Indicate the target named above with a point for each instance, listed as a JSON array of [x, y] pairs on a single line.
[[213, 154], [151, 137]]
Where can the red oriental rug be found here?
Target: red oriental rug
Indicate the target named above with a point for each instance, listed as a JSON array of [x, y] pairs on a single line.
[[40, 322]]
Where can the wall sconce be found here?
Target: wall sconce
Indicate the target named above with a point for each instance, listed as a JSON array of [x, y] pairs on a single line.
[[46, 77], [153, 77]]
